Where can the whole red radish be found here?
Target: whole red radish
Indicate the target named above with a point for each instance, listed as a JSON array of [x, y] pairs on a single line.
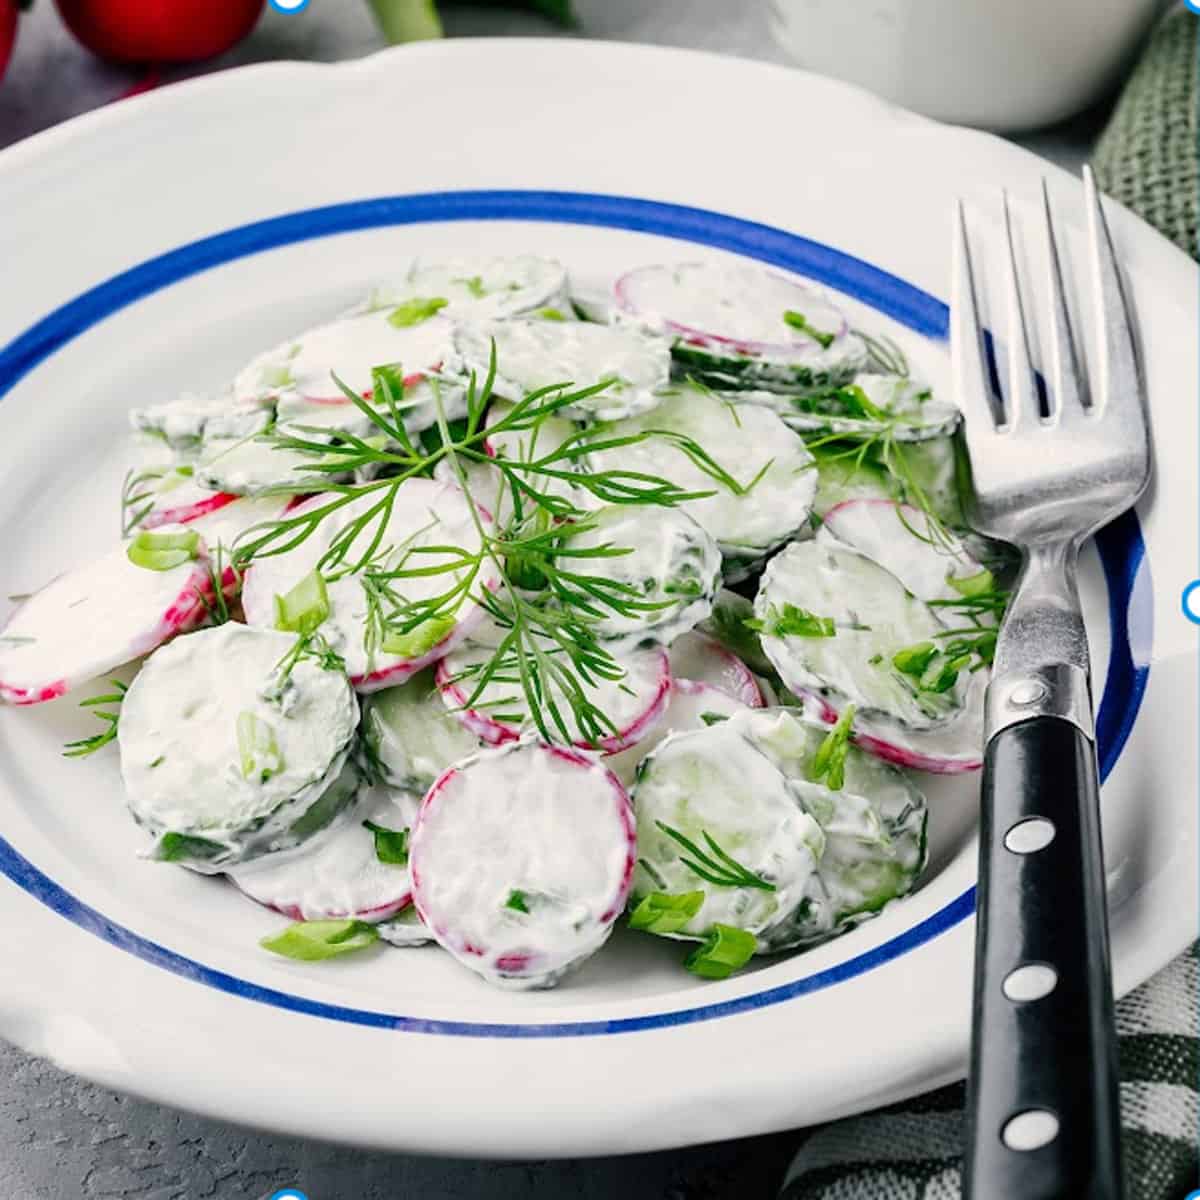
[[8, 31], [158, 31]]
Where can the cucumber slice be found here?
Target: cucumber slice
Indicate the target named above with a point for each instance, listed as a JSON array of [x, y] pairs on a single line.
[[337, 874], [727, 625], [222, 762], [255, 466], [182, 426], [423, 513], [739, 326], [872, 405], [410, 734], [928, 471], [96, 617], [769, 463], [873, 618], [670, 562], [901, 539], [303, 367], [874, 826], [536, 354], [842, 476], [715, 784], [479, 288], [521, 860], [633, 703], [690, 706]]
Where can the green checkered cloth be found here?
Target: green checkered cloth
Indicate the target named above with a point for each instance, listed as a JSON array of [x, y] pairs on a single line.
[[1149, 159]]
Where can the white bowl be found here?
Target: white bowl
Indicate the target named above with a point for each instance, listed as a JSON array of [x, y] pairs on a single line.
[[1007, 66]]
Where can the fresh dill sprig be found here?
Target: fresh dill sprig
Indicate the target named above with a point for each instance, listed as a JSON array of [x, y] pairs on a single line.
[[716, 867], [883, 354], [137, 497], [111, 718]]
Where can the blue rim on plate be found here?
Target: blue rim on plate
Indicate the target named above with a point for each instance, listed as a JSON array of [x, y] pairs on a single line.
[[1122, 550]]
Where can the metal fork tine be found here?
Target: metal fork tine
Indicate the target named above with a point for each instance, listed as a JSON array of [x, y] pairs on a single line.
[[1117, 374], [1066, 391], [972, 384], [1021, 401]]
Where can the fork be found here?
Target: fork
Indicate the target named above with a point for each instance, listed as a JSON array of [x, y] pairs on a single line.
[[1042, 1102]]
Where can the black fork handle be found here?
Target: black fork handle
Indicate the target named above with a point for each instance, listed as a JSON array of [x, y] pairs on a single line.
[[1042, 1064]]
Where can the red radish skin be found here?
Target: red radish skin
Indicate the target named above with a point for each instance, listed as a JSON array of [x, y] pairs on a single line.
[[697, 657], [8, 32], [900, 756], [189, 512], [185, 612], [495, 733], [704, 338], [340, 399], [159, 31], [523, 963]]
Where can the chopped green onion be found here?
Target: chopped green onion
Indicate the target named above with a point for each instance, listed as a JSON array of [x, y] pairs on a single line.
[[971, 586], [174, 846], [518, 901], [305, 607], [942, 674], [713, 718], [662, 912], [474, 285], [315, 941], [793, 621], [276, 375], [800, 321], [159, 550], [415, 642], [913, 660], [724, 951], [257, 748], [416, 310], [829, 762], [391, 845], [550, 314]]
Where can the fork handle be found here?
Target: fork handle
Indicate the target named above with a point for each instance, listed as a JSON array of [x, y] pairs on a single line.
[[1040, 908]]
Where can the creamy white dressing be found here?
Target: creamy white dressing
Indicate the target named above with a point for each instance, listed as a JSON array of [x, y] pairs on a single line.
[[252, 466], [633, 703], [411, 733], [715, 781], [222, 527], [737, 302], [690, 705], [536, 354], [337, 874], [671, 563], [750, 444], [182, 425], [874, 618], [550, 825], [182, 754], [901, 539], [304, 366], [97, 617], [426, 513], [481, 288]]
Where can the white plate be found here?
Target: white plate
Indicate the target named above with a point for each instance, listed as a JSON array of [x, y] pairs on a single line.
[[155, 245]]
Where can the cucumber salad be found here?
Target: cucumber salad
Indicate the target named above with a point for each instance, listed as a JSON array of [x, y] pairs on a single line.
[[477, 618]]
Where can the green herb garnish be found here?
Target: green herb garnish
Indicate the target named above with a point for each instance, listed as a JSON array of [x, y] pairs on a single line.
[[662, 912], [391, 845], [304, 607], [162, 550], [258, 751], [725, 950], [716, 867], [792, 621], [89, 745], [315, 941], [416, 310], [518, 901], [799, 321], [829, 762]]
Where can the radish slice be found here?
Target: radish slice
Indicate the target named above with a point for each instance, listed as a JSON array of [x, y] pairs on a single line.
[[221, 528], [833, 621], [95, 618], [303, 367], [901, 539], [184, 505], [476, 288], [696, 656], [633, 703], [574, 355], [751, 445], [521, 861], [337, 874], [950, 749], [425, 513], [715, 784], [224, 758], [690, 706], [750, 326]]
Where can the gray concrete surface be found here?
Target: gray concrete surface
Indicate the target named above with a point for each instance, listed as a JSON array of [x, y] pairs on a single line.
[[62, 1138]]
